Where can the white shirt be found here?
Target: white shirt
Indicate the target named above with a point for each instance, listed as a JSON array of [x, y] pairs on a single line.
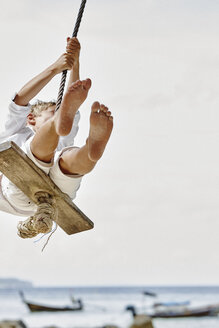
[[16, 130]]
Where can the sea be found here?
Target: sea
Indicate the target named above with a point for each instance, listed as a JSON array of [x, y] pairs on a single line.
[[105, 306]]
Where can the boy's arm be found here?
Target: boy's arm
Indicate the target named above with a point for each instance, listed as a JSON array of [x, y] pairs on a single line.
[[73, 47], [33, 87]]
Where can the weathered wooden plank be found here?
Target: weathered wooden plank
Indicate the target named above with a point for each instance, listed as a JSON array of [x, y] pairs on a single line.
[[18, 168]]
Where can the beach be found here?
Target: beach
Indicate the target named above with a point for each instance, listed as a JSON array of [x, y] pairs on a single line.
[[103, 306]]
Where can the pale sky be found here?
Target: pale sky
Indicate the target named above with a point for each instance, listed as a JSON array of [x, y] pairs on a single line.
[[154, 195]]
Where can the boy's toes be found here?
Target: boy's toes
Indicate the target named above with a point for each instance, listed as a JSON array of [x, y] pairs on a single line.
[[86, 83], [75, 85], [103, 108], [95, 107]]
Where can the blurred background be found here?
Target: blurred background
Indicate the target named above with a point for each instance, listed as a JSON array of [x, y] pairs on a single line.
[[154, 195]]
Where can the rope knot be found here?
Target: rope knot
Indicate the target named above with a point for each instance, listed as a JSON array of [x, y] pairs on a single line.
[[42, 221]]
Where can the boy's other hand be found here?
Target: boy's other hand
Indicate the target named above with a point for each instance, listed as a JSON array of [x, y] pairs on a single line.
[[64, 62], [73, 49], [69, 59]]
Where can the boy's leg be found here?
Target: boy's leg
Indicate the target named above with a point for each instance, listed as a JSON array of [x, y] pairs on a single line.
[[82, 160], [45, 141], [46, 138], [74, 97]]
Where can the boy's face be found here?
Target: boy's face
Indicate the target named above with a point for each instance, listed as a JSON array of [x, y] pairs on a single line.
[[45, 115]]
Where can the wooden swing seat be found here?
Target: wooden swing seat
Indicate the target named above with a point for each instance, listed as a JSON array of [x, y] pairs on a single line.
[[21, 171]]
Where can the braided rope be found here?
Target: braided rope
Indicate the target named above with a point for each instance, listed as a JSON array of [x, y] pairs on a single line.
[[42, 221], [64, 73]]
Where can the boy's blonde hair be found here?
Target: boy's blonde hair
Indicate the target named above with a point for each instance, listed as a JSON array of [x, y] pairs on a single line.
[[40, 106]]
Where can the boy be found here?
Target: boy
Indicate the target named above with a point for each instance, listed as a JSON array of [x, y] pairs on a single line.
[[47, 136]]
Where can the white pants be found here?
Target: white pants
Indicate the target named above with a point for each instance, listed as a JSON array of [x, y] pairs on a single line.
[[68, 184]]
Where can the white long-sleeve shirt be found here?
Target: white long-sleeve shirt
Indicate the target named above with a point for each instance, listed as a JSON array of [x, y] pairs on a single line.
[[16, 130]]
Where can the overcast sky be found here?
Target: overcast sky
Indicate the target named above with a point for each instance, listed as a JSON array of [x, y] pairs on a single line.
[[154, 195]]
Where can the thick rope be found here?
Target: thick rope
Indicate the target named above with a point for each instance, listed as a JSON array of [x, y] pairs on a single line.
[[64, 73], [42, 221]]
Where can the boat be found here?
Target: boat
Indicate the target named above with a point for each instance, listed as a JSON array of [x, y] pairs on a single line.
[[34, 307], [171, 304], [170, 307], [181, 312]]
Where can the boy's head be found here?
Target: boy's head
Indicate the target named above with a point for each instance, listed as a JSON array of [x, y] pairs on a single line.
[[40, 112]]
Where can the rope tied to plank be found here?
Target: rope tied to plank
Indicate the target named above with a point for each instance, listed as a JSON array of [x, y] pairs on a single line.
[[42, 220]]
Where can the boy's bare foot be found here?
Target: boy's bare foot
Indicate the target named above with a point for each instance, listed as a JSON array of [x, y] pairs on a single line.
[[72, 100], [101, 124]]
